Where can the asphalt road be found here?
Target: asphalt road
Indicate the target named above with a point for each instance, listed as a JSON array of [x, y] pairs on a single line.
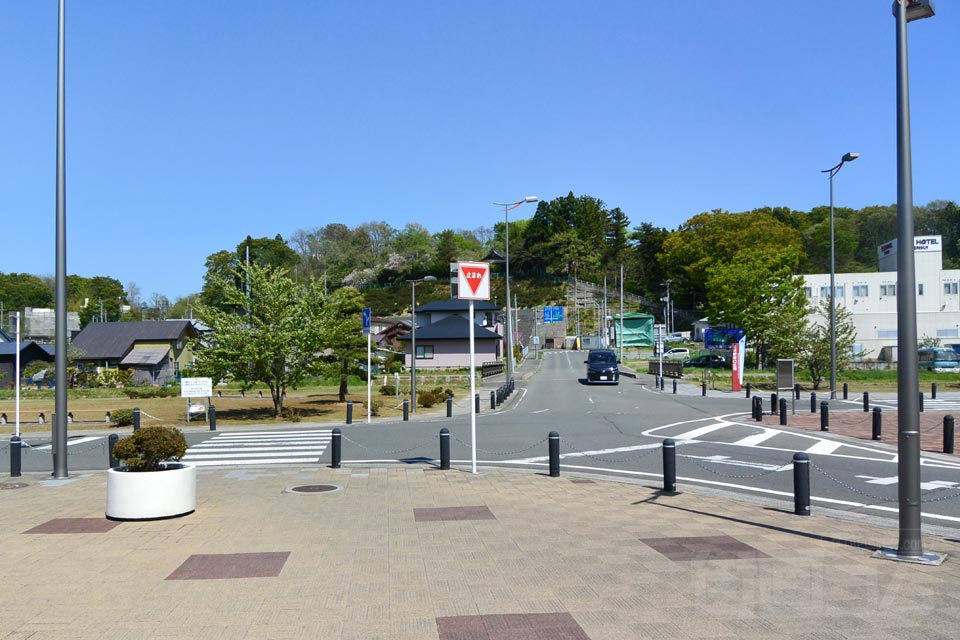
[[604, 429]]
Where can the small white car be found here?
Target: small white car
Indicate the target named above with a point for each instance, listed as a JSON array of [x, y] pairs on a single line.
[[677, 353]]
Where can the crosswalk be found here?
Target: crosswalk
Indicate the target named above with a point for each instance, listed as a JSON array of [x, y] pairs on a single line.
[[259, 448], [929, 404]]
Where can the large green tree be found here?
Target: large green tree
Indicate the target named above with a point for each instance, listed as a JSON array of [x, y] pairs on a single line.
[[19, 290], [346, 346], [273, 339]]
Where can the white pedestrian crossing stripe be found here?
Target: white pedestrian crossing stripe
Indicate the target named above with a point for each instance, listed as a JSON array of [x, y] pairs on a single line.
[[224, 449]]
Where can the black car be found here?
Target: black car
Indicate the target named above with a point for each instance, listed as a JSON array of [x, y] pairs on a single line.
[[602, 367], [708, 361]]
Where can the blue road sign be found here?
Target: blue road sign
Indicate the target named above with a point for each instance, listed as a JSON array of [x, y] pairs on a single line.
[[553, 314], [366, 321]]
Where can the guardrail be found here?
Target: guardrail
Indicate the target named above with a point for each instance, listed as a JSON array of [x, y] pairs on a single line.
[[491, 369], [670, 369]]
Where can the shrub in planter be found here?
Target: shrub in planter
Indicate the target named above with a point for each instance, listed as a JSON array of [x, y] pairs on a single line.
[[122, 417], [149, 447]]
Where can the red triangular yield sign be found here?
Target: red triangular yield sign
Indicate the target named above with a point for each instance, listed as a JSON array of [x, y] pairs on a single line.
[[474, 277]]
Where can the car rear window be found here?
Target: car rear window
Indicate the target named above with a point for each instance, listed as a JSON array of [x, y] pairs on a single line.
[[603, 358]]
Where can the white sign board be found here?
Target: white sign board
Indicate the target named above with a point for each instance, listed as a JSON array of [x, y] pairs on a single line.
[[473, 280], [196, 387]]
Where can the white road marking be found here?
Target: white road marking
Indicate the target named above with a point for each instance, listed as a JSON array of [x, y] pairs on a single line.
[[70, 443], [260, 448], [757, 439], [824, 447], [540, 411], [702, 431]]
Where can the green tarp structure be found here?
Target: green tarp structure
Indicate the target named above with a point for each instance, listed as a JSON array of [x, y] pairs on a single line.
[[637, 329]]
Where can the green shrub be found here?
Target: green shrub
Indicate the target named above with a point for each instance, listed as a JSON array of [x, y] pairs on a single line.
[[148, 392], [426, 399], [375, 406], [388, 390], [122, 417], [149, 447]]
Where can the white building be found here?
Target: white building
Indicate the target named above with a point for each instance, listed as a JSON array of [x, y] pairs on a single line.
[[871, 298]]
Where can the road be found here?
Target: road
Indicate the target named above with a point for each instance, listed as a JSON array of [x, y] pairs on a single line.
[[610, 430]]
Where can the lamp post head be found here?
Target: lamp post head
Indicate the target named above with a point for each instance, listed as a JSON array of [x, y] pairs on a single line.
[[916, 9], [531, 199], [429, 278], [850, 157]]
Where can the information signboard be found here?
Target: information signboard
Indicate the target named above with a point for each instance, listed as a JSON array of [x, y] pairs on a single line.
[[552, 314], [196, 387], [785, 379], [366, 321]]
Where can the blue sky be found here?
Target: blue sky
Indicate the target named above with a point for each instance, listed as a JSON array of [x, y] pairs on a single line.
[[191, 124]]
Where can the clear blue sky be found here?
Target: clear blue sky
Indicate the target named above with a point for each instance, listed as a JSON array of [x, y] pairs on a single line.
[[192, 123]]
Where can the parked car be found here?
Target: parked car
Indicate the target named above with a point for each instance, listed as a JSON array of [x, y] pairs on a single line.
[[676, 337], [708, 361], [602, 367], [677, 353]]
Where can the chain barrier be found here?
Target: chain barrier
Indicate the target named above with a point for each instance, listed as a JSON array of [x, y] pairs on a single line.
[[734, 476], [643, 453], [420, 445], [849, 487], [500, 453]]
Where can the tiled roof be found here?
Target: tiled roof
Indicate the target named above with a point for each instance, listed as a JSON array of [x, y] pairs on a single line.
[[112, 340], [456, 304], [452, 328]]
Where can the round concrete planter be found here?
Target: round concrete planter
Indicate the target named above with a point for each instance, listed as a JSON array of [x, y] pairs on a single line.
[[150, 495]]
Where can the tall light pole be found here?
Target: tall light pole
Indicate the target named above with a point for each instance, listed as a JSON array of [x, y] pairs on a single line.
[[910, 547], [847, 157], [60, 286], [507, 206], [413, 339]]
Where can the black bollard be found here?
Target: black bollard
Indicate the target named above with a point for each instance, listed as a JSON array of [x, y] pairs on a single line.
[[824, 416], [748, 389], [877, 424], [703, 388], [213, 418], [493, 399], [554, 445], [111, 443], [948, 434], [796, 391], [15, 456], [674, 386], [669, 465], [921, 402], [933, 391], [663, 383], [845, 390], [444, 449], [335, 448], [406, 410], [813, 402], [136, 419], [773, 404], [783, 412], [866, 401], [349, 411], [758, 408], [449, 407], [801, 484], [476, 402]]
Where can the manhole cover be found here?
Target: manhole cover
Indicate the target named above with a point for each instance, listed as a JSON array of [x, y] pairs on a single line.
[[314, 488], [13, 485]]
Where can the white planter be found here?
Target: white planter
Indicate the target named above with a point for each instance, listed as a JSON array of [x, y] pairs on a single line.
[[148, 495]]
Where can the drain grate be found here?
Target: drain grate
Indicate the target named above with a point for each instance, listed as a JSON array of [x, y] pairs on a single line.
[[13, 485], [314, 488]]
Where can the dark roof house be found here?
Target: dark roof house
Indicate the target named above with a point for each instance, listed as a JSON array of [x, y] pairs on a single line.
[[156, 351]]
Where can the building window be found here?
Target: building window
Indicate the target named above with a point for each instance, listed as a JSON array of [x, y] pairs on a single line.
[[888, 290], [948, 333], [425, 352], [825, 291], [808, 291], [861, 291], [887, 333], [950, 288]]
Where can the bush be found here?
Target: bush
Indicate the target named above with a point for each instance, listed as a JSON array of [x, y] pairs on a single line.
[[148, 392], [388, 390], [122, 417], [426, 399], [375, 406], [149, 447]]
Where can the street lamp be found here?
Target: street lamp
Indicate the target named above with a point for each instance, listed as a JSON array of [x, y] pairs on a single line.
[[413, 339], [848, 157], [60, 281], [507, 206], [910, 546]]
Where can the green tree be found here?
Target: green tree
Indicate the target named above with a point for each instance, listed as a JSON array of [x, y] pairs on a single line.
[[275, 343], [20, 290], [346, 346], [757, 291], [814, 352]]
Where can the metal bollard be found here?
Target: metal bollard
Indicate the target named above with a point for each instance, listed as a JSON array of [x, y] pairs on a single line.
[[476, 402], [349, 411], [449, 407], [674, 386], [773, 404], [213, 418], [136, 419], [845, 390], [921, 402], [758, 408], [444, 449], [663, 383], [824, 416], [669, 465], [801, 484], [406, 410], [748, 389], [813, 402], [866, 401], [877, 424], [948, 434], [15, 456], [783, 412], [111, 443], [703, 388], [335, 448], [493, 399], [554, 444], [796, 391], [933, 391]]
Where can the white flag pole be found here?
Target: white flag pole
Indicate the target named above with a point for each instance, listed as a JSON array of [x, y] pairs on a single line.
[[473, 396]]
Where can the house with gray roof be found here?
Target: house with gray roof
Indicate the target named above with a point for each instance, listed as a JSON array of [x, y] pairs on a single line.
[[156, 351], [443, 334]]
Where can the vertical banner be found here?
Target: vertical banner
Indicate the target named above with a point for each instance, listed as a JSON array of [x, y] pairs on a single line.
[[737, 357]]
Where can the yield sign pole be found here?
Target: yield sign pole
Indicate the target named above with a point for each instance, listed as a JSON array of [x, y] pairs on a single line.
[[473, 283], [473, 394]]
